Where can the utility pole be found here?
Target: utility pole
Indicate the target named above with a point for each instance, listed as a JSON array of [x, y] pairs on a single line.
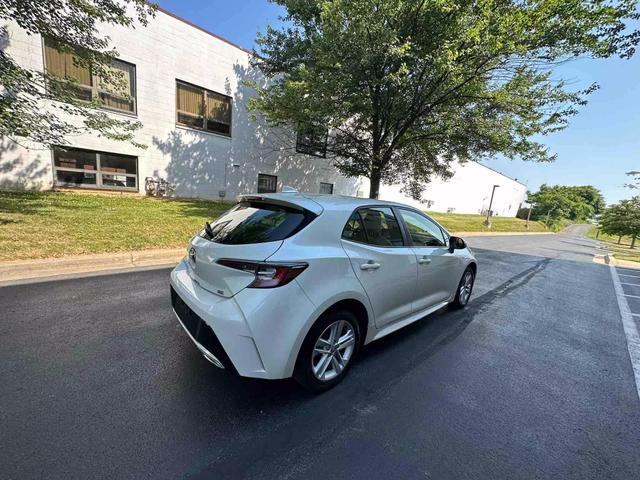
[[549, 213], [487, 222]]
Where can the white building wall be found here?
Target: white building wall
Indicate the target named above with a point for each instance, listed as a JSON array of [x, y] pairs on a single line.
[[202, 164], [468, 191], [199, 163]]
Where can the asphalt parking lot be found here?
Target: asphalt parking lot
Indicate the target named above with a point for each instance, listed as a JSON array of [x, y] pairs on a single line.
[[532, 380], [630, 282]]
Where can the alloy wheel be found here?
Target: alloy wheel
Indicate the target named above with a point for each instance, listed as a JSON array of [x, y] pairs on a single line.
[[333, 350], [465, 287]]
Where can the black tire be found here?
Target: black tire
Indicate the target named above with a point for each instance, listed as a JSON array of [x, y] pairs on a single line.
[[461, 301], [304, 370]]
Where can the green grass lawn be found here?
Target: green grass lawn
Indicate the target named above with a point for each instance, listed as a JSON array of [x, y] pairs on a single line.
[[622, 250], [459, 222], [53, 224]]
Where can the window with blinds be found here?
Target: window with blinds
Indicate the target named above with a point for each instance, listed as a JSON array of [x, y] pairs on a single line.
[[197, 107], [117, 92]]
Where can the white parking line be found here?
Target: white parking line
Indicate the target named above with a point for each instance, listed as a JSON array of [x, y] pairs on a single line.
[[630, 296], [627, 275], [632, 284], [630, 329]]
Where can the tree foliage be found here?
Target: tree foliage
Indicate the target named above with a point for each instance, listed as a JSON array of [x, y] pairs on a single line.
[[36, 106], [558, 202], [622, 218], [407, 86], [635, 182]]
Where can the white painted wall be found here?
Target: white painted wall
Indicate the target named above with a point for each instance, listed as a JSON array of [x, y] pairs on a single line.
[[195, 161], [468, 191], [202, 164]]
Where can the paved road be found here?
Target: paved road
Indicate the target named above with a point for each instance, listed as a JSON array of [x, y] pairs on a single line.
[[532, 380]]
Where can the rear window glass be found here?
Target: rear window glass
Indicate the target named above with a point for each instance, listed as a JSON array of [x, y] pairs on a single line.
[[257, 222]]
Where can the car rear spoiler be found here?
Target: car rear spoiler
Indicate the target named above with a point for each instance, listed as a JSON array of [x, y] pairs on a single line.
[[297, 201]]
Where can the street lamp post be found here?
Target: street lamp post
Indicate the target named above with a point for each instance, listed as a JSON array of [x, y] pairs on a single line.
[[487, 222]]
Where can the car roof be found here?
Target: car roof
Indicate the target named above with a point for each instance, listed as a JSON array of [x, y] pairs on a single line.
[[317, 202]]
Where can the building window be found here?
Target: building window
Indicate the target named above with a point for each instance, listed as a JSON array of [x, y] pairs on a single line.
[[85, 168], [117, 94], [203, 109], [267, 183], [312, 142], [326, 188]]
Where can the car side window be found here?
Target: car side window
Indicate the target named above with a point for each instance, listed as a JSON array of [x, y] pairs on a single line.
[[354, 230], [423, 231], [381, 227]]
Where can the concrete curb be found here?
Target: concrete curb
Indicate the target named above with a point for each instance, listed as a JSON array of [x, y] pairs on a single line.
[[614, 262], [49, 267], [498, 234]]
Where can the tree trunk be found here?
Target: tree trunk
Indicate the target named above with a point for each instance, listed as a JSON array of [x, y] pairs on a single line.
[[619, 239], [374, 181], [633, 241]]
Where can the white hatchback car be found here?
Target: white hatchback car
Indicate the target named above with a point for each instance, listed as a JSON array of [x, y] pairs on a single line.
[[287, 284]]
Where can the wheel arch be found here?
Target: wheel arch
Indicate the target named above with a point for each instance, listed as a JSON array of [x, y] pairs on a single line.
[[474, 266], [359, 307]]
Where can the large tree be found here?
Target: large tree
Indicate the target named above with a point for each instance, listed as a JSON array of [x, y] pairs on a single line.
[[43, 108], [591, 196], [623, 218], [558, 202], [406, 86]]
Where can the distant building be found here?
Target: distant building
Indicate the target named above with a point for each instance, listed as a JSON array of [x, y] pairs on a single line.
[[468, 191], [186, 87]]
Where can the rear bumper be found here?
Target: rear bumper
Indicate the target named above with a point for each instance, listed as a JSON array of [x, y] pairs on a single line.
[[216, 325], [256, 333], [200, 333]]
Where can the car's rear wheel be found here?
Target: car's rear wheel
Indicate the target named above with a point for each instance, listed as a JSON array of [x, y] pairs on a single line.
[[465, 287], [328, 350]]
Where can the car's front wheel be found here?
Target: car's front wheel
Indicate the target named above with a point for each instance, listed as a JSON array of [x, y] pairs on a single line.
[[328, 350], [465, 287]]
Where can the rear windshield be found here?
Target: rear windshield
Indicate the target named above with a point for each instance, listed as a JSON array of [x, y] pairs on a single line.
[[257, 222]]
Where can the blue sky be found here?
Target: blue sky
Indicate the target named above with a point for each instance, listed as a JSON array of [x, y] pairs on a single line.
[[599, 146]]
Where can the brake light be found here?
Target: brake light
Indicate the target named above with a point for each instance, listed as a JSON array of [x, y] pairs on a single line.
[[267, 275]]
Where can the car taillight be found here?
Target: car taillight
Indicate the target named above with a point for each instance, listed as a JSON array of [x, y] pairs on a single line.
[[268, 275]]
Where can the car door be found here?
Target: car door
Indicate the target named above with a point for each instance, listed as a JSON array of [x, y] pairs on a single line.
[[383, 262], [438, 275]]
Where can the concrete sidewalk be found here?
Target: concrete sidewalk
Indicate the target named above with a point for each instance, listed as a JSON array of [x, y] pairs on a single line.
[[71, 265]]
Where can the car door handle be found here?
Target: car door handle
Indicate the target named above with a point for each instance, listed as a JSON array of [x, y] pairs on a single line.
[[370, 265], [424, 260]]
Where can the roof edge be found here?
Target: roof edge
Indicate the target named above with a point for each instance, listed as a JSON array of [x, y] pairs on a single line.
[[204, 30], [498, 172]]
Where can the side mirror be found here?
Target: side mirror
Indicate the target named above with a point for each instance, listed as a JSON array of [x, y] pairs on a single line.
[[456, 243]]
